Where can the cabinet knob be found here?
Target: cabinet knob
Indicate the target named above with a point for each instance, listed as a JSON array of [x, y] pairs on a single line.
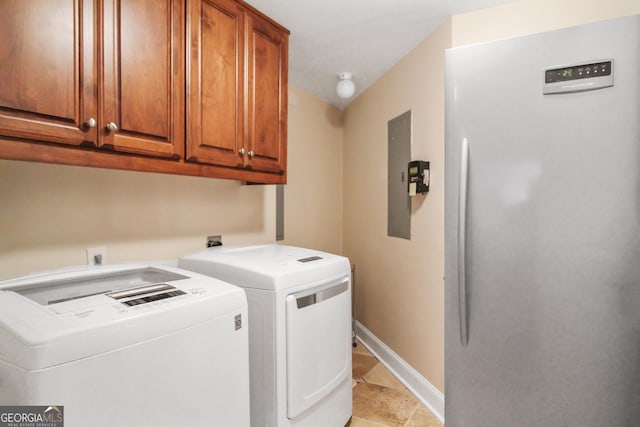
[[91, 123], [242, 151], [112, 127], [251, 154]]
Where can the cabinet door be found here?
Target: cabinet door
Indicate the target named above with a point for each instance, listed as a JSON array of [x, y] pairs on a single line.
[[142, 95], [267, 95], [215, 88], [47, 66]]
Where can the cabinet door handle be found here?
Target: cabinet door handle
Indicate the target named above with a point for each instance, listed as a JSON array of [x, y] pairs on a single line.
[[112, 127], [242, 151], [251, 154], [91, 123]]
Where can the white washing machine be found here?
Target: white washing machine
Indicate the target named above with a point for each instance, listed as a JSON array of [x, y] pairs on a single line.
[[134, 345], [299, 330]]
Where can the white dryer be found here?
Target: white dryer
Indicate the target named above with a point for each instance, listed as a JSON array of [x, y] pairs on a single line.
[[299, 330], [134, 345]]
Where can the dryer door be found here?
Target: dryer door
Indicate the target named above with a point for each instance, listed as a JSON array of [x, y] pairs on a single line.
[[318, 343]]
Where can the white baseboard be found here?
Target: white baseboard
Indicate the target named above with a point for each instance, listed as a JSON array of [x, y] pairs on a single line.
[[426, 392]]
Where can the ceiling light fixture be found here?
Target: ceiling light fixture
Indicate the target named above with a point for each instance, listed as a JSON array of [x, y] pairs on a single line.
[[345, 88]]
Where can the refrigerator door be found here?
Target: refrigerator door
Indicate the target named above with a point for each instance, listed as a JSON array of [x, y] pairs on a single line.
[[543, 316]]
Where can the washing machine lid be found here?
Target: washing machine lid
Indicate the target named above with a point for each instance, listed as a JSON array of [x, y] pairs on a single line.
[[64, 287], [270, 267], [66, 315]]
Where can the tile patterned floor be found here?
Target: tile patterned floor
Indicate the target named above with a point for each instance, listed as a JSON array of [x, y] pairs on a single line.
[[381, 400]]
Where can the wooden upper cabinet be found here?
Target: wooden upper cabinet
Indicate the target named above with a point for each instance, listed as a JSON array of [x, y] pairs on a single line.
[[49, 56], [215, 131], [267, 101], [47, 71], [237, 87], [193, 87], [142, 85]]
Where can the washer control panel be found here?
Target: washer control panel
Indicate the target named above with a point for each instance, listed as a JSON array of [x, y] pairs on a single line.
[[155, 297]]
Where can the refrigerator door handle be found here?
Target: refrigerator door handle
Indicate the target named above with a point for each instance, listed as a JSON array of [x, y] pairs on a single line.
[[462, 242]]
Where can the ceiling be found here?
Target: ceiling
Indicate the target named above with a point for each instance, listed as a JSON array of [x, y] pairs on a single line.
[[364, 37]]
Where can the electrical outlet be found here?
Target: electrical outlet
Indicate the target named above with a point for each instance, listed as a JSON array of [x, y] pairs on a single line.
[[97, 255]]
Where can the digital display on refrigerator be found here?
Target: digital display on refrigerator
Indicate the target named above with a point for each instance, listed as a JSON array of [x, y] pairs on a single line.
[[577, 72]]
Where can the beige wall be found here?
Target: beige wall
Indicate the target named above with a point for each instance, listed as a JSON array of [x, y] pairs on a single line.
[[524, 17], [313, 195], [399, 288], [50, 214]]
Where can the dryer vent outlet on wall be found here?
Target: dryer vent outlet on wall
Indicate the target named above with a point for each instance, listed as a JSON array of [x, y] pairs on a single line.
[[214, 241]]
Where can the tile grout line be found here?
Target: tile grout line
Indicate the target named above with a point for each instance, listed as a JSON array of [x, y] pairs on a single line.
[[412, 414], [364, 380], [415, 409], [426, 400]]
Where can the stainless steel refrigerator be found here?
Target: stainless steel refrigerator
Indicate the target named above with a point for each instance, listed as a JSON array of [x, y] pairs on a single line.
[[542, 229]]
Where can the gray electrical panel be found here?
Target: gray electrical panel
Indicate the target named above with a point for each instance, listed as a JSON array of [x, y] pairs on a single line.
[[398, 200]]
